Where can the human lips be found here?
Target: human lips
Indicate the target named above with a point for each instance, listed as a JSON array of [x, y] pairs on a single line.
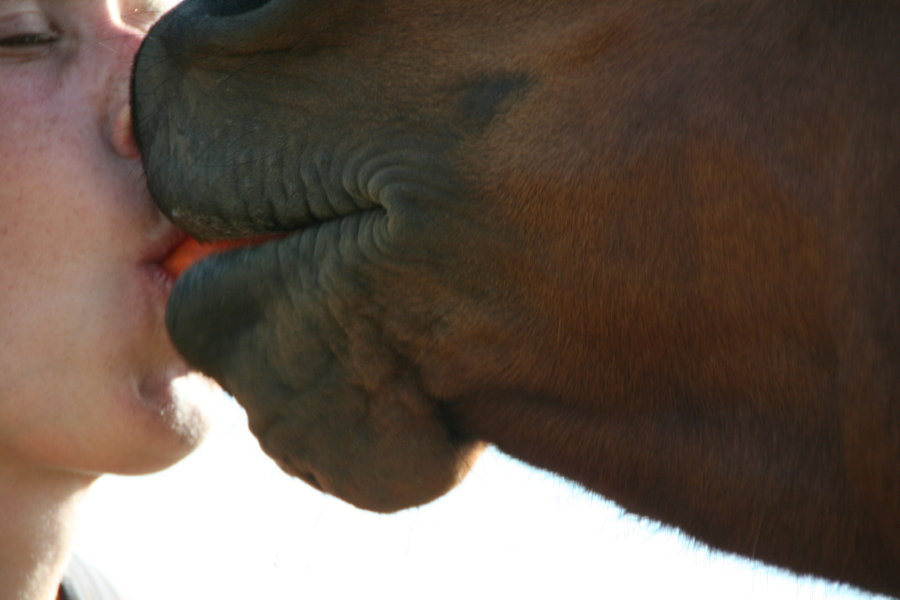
[[156, 254], [174, 252]]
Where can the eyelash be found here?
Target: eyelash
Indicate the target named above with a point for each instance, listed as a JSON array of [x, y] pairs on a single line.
[[138, 19], [30, 39]]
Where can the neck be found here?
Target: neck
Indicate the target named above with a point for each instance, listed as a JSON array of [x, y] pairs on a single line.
[[39, 508]]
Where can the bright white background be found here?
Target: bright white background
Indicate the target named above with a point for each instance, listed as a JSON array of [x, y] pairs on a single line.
[[227, 524]]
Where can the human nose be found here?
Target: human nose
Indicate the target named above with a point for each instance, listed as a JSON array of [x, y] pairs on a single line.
[[120, 130]]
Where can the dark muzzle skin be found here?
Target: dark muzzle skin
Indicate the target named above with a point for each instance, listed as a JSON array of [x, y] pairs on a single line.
[[328, 387], [650, 246]]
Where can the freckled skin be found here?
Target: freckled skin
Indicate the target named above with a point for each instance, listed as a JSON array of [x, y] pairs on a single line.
[[649, 246], [86, 364]]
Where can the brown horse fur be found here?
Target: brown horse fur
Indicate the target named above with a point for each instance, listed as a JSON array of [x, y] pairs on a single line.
[[652, 246]]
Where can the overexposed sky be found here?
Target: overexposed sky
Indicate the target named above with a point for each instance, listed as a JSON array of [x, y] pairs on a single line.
[[227, 524]]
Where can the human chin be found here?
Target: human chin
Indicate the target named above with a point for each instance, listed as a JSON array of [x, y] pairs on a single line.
[[165, 422]]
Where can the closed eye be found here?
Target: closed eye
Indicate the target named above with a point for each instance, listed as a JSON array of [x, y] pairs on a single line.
[[29, 39], [26, 28]]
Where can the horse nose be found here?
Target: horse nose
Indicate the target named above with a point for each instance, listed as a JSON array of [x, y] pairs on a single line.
[[199, 32]]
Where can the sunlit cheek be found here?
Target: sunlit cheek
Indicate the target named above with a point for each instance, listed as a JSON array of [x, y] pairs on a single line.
[[115, 9], [139, 14]]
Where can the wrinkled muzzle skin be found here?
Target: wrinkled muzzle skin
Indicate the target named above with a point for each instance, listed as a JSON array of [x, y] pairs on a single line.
[[396, 288], [651, 246]]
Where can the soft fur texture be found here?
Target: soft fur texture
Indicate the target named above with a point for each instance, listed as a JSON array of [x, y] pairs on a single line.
[[652, 246]]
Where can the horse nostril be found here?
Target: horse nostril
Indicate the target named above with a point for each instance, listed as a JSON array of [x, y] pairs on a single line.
[[229, 8], [203, 35]]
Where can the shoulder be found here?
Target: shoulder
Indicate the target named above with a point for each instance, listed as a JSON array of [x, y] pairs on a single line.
[[84, 582]]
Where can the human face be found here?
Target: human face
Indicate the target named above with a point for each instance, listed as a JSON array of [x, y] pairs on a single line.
[[86, 365]]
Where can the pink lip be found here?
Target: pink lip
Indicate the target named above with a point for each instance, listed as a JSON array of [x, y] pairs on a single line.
[[154, 256]]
